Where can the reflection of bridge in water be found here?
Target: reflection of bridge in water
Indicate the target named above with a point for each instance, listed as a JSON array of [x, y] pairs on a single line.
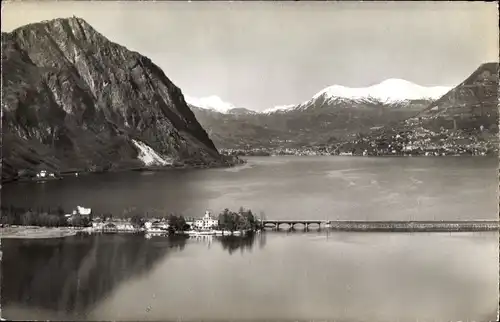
[[403, 225]]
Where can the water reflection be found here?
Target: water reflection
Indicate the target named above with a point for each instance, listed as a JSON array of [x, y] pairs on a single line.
[[233, 243], [73, 274], [299, 275]]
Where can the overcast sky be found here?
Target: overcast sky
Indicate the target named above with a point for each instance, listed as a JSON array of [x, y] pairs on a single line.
[[261, 54]]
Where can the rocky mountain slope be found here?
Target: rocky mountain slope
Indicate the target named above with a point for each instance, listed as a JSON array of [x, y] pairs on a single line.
[[72, 99], [237, 130], [463, 121]]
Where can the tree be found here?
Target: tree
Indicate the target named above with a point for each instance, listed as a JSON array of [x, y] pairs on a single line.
[[79, 221], [27, 219], [181, 223], [227, 220], [177, 223], [137, 221]]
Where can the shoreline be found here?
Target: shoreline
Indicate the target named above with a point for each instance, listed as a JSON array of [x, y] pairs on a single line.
[[74, 173], [34, 232]]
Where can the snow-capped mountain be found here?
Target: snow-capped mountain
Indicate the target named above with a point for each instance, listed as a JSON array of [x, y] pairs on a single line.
[[389, 92], [213, 102], [216, 104], [278, 108]]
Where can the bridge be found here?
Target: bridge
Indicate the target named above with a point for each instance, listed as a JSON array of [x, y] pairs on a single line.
[[402, 225]]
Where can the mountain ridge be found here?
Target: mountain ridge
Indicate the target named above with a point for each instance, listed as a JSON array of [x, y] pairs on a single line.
[[72, 99], [381, 93], [391, 92]]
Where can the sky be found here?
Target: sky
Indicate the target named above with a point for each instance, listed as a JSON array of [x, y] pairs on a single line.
[[261, 54]]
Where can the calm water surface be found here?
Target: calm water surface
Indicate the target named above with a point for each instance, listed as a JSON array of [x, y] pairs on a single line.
[[341, 276], [289, 188], [276, 275]]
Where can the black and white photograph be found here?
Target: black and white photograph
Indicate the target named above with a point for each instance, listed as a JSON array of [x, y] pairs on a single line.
[[249, 161]]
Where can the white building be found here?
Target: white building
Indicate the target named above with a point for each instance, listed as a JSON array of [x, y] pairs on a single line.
[[125, 226], [44, 174], [83, 212], [156, 226], [207, 222]]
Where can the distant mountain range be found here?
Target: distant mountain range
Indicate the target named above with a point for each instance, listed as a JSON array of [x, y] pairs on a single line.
[[391, 92], [73, 100], [331, 115]]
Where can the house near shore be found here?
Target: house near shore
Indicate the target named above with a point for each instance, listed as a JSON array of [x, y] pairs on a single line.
[[109, 227], [207, 222], [81, 211], [39, 173], [125, 226], [156, 225], [78, 214], [97, 223], [43, 174]]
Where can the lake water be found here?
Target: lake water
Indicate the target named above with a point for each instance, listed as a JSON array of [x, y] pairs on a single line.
[[288, 188], [282, 276], [276, 275]]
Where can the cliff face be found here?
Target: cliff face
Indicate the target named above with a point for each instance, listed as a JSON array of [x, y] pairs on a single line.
[[72, 99]]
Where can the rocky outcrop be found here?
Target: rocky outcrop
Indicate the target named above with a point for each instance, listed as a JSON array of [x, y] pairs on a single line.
[[470, 105], [72, 99]]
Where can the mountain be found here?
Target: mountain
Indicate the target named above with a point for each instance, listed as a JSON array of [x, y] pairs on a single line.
[[333, 114], [213, 103], [241, 111], [463, 121], [217, 105], [72, 99], [394, 93], [235, 129]]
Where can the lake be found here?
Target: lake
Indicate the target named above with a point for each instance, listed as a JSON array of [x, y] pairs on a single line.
[[277, 275], [392, 188], [318, 275]]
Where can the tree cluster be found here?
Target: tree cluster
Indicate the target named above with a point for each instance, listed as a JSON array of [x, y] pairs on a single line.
[[241, 220], [40, 217], [177, 223], [137, 221]]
